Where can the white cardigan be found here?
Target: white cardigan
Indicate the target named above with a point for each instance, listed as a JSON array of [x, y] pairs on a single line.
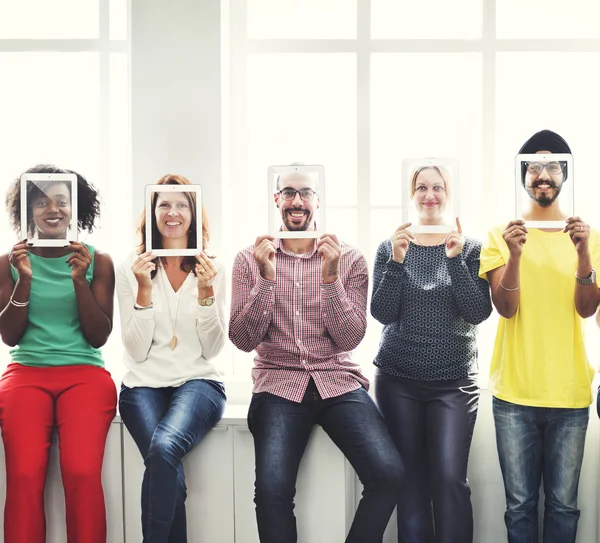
[[146, 334]]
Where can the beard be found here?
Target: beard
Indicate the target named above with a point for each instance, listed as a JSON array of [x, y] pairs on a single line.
[[544, 200], [290, 225]]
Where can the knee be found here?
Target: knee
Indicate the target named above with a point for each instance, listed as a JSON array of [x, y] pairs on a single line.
[[165, 447], [81, 474], [27, 476], [387, 476], [274, 487]]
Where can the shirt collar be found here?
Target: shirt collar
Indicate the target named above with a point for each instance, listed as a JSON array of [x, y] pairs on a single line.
[[309, 254]]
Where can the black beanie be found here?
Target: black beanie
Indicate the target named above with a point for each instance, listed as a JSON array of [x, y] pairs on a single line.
[[544, 140]]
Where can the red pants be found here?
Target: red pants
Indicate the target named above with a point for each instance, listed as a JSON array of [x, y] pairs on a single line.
[[80, 402]]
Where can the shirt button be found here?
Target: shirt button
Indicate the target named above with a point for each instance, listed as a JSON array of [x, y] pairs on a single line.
[[270, 287], [297, 284], [304, 362], [299, 341], [324, 314], [264, 312], [297, 312]]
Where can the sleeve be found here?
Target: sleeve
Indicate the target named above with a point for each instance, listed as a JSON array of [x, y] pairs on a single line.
[[137, 327], [345, 306], [493, 253], [252, 302], [470, 292], [388, 281], [210, 321]]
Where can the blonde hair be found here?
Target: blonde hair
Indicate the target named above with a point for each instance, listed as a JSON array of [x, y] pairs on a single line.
[[444, 174]]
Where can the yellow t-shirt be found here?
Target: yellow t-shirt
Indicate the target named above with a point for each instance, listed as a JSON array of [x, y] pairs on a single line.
[[539, 354]]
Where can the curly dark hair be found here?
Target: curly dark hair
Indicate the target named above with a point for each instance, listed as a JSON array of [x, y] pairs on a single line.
[[88, 204]]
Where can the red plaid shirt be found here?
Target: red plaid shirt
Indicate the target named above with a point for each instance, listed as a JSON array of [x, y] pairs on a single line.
[[299, 326]]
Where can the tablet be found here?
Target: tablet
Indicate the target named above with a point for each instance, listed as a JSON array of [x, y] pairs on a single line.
[[296, 201], [173, 215], [547, 180], [49, 209], [430, 194]]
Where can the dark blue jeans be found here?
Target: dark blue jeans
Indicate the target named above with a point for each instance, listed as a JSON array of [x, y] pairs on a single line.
[[535, 442], [281, 429], [166, 424], [432, 425]]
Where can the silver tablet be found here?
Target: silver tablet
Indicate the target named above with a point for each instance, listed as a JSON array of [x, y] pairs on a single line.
[[549, 181], [49, 209], [430, 194], [296, 201], [174, 219]]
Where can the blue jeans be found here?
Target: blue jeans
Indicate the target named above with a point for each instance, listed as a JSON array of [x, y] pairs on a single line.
[[166, 424], [535, 442], [281, 429], [432, 424]]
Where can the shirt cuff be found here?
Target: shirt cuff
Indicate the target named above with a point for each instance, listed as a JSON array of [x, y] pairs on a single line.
[[394, 267], [333, 290], [144, 314], [206, 312]]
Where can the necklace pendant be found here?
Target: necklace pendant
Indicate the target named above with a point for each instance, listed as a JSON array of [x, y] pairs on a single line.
[[173, 342]]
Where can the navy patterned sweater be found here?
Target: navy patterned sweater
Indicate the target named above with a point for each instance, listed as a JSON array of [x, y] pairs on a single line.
[[430, 306]]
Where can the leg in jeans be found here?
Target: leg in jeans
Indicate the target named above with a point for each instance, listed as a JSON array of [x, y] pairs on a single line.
[[281, 429], [142, 409], [84, 410], [564, 440], [404, 412], [356, 426], [194, 409], [451, 415], [519, 438], [27, 421]]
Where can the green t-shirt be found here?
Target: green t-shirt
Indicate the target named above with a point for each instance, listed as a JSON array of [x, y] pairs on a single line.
[[53, 336]]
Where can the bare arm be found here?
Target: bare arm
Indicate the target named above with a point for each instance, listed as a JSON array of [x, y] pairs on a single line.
[[587, 297], [95, 301], [13, 319]]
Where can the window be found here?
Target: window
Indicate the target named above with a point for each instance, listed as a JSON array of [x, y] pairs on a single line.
[[65, 101], [360, 85]]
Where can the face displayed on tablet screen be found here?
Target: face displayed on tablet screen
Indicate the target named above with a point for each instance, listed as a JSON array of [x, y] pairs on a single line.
[[544, 189], [173, 215], [172, 212], [296, 193], [297, 200], [50, 209], [431, 202]]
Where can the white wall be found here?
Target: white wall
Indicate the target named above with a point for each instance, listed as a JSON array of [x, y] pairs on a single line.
[[176, 97]]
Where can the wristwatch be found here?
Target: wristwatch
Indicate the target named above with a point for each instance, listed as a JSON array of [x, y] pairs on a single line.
[[591, 280], [206, 302]]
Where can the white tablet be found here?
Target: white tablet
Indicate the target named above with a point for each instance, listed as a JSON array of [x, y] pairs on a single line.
[[49, 209], [430, 194], [296, 201], [174, 219], [547, 180]]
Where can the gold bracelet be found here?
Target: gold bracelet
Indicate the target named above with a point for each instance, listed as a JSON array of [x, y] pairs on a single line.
[[509, 289]]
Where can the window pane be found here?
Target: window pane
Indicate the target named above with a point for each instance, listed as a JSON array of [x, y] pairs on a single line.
[[383, 224], [434, 110], [344, 224], [118, 19], [306, 19], [523, 109], [301, 108], [548, 19], [426, 19], [50, 112], [42, 19]]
